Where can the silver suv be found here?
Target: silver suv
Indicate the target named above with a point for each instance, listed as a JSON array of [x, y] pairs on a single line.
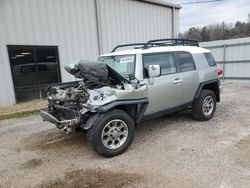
[[113, 95]]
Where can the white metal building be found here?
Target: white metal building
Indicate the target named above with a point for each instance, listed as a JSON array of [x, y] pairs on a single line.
[[38, 37]]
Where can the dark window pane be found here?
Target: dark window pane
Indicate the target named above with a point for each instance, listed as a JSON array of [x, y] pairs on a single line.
[[25, 94], [47, 65], [165, 60], [186, 61], [46, 54], [32, 69], [23, 66], [210, 59]]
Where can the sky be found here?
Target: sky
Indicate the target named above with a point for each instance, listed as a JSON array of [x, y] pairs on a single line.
[[199, 15]]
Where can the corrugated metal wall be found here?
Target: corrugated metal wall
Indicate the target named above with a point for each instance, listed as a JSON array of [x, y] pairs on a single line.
[[125, 21], [233, 56], [72, 25]]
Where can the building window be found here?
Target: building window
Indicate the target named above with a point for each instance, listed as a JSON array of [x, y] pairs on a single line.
[[33, 69]]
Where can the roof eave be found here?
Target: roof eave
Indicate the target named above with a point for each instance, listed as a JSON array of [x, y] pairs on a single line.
[[164, 3]]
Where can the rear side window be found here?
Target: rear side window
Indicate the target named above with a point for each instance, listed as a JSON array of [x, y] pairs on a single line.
[[186, 61], [165, 60], [210, 59]]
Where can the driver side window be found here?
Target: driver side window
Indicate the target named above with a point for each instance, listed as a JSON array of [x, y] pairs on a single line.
[[165, 60]]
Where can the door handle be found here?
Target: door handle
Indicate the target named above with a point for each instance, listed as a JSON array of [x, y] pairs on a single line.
[[177, 81]]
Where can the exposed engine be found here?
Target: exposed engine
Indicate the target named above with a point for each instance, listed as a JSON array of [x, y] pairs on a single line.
[[70, 104], [74, 96]]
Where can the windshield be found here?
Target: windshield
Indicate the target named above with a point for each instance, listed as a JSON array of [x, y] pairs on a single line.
[[124, 64]]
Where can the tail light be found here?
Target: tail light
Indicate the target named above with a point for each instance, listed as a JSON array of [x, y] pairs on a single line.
[[219, 72]]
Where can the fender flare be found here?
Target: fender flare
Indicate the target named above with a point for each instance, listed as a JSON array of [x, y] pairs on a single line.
[[217, 81], [140, 110], [141, 107]]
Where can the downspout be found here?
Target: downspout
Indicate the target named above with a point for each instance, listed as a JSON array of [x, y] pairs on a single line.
[[173, 23], [99, 27]]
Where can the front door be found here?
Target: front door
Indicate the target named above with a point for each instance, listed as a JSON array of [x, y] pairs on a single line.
[[165, 91]]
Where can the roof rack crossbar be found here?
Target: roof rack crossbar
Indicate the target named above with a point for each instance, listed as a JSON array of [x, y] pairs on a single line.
[[171, 42], [127, 45], [160, 42]]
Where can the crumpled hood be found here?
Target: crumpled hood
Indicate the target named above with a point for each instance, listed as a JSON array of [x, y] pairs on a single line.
[[94, 70]]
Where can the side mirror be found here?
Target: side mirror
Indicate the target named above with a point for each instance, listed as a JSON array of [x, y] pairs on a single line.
[[154, 71]]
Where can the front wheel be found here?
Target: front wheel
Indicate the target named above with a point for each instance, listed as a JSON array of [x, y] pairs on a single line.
[[112, 133], [204, 107]]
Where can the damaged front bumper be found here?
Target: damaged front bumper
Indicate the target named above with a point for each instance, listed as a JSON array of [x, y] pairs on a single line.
[[65, 125]]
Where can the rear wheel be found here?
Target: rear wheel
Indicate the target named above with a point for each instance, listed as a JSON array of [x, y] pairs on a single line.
[[112, 133], [205, 106]]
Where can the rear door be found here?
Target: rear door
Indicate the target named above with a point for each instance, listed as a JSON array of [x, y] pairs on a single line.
[[189, 76], [165, 91]]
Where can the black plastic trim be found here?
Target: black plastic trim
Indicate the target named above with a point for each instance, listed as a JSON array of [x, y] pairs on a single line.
[[127, 45], [58, 107], [167, 111], [171, 42], [205, 83], [140, 109], [90, 122], [161, 42], [140, 112]]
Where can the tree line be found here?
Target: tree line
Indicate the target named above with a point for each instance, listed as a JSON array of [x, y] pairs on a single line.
[[218, 31]]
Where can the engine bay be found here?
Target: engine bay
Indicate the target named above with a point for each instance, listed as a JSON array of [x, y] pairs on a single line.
[[71, 104]]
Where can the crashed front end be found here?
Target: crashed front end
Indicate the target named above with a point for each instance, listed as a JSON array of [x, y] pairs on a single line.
[[71, 105]]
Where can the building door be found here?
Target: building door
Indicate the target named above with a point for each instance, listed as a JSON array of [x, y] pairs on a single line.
[[33, 69]]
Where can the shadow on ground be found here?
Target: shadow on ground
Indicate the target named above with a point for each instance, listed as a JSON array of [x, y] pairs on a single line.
[[94, 178]]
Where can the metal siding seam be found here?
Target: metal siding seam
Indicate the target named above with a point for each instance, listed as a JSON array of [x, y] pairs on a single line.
[[224, 61], [99, 27], [173, 22]]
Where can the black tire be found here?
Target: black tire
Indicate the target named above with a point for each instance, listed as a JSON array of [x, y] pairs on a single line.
[[94, 134], [197, 109]]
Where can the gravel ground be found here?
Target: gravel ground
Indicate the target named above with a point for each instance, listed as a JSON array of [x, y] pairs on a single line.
[[172, 151]]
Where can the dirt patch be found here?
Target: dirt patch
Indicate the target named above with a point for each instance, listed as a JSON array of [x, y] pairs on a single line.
[[243, 152], [51, 140], [95, 178], [33, 163]]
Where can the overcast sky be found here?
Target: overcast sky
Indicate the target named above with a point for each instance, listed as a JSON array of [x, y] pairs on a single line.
[[198, 15]]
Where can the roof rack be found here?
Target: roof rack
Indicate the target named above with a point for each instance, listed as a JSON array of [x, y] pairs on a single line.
[[126, 45], [171, 42], [161, 42]]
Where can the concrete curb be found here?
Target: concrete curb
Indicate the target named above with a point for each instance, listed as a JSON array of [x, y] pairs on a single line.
[[20, 113]]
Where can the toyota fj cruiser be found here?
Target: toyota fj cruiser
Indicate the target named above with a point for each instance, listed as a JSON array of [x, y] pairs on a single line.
[[123, 88]]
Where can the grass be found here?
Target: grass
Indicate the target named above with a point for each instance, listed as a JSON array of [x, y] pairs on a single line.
[[20, 115]]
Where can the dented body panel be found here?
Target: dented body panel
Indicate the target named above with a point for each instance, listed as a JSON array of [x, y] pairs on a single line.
[[72, 104]]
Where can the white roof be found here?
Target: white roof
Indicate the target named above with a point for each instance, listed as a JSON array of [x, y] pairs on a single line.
[[191, 49], [164, 3]]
